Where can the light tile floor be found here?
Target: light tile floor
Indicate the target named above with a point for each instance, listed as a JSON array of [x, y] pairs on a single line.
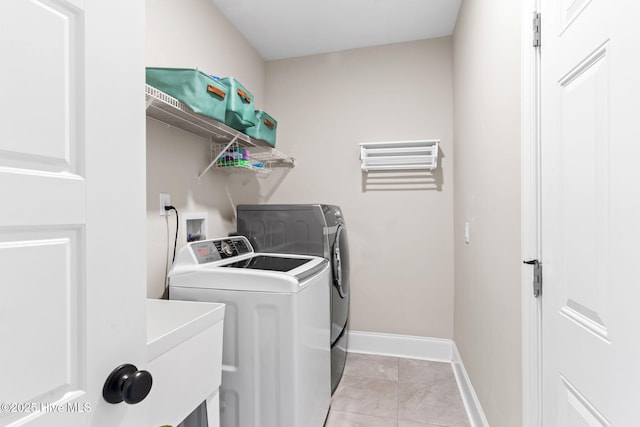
[[379, 391]]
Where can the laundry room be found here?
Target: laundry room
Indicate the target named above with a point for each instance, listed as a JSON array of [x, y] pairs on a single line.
[[402, 227], [325, 106], [408, 213], [364, 268]]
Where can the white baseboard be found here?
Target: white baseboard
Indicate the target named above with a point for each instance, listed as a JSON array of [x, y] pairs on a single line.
[[400, 346], [469, 397], [436, 349]]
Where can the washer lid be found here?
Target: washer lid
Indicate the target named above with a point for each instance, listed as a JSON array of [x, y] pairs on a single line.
[[218, 276], [230, 263]]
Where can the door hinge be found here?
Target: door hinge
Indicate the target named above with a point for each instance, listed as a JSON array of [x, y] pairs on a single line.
[[536, 29], [537, 276]]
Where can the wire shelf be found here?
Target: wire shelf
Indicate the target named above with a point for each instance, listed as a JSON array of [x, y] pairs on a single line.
[[168, 110]]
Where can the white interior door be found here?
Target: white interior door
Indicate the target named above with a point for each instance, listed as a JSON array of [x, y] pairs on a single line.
[[72, 253], [590, 211]]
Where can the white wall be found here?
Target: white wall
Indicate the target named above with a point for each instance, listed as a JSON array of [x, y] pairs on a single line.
[[401, 236], [192, 34], [195, 34], [487, 195]]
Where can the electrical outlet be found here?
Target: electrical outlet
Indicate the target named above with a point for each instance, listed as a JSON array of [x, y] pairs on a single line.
[[165, 200]]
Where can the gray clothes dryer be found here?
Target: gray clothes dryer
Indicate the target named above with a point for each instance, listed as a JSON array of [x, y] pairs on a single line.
[[307, 230]]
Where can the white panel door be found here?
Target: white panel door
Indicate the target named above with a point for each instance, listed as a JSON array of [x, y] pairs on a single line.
[[590, 211], [72, 257]]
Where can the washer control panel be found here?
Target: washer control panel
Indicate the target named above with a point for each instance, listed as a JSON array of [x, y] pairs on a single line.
[[205, 252], [217, 249]]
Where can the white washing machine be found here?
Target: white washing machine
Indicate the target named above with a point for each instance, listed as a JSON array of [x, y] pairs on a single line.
[[276, 359], [318, 230]]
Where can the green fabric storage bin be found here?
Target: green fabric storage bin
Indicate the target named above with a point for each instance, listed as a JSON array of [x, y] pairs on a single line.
[[265, 129], [241, 112], [202, 93]]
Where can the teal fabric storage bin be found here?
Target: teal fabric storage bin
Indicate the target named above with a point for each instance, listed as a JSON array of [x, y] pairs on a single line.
[[202, 93], [265, 128], [241, 112]]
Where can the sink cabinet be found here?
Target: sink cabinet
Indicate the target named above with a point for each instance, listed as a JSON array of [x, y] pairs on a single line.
[[184, 342]]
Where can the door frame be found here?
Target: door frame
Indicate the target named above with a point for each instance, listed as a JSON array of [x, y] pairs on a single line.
[[530, 219]]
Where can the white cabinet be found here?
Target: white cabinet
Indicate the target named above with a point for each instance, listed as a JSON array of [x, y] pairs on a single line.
[[184, 343]]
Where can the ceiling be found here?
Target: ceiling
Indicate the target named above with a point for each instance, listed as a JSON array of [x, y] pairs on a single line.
[[288, 28]]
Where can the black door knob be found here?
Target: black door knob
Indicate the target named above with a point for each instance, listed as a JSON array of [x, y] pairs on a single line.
[[128, 384]]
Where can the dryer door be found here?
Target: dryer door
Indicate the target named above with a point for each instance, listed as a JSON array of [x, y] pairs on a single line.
[[340, 288], [340, 260], [339, 305]]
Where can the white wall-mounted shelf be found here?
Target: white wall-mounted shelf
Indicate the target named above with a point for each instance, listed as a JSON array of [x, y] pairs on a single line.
[[168, 110], [399, 155]]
